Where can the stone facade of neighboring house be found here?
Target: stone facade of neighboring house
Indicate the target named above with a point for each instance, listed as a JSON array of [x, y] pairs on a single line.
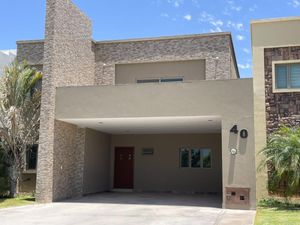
[[281, 108]]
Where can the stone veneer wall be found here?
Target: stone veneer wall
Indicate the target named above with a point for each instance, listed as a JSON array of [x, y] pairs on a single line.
[[69, 147], [280, 107], [31, 51], [68, 61], [206, 47]]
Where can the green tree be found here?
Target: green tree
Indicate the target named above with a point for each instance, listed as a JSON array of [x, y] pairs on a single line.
[[19, 117], [282, 158]]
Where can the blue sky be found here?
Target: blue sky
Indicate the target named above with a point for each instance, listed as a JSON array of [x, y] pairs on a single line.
[[117, 19]]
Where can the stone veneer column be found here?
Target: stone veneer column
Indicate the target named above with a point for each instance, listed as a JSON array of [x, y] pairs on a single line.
[[68, 61]]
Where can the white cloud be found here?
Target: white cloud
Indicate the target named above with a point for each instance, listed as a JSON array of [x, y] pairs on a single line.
[[236, 8], [233, 6], [208, 18], [240, 37], [196, 3], [216, 23], [188, 17], [246, 50], [236, 26], [216, 29], [294, 3], [165, 15], [9, 52], [175, 3], [253, 8], [244, 66]]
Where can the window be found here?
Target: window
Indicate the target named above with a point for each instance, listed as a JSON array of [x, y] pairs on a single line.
[[287, 76], [31, 157], [147, 81], [185, 158], [206, 158], [160, 80], [165, 80], [195, 158]]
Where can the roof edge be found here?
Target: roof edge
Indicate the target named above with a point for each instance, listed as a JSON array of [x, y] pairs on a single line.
[[139, 39], [272, 20], [234, 57], [30, 41], [163, 37]]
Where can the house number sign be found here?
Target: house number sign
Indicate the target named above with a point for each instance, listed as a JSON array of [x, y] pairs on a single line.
[[243, 132]]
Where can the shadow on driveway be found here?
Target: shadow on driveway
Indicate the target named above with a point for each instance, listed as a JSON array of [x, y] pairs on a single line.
[[214, 201]]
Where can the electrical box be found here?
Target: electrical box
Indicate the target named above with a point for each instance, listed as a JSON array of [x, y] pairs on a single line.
[[237, 196]]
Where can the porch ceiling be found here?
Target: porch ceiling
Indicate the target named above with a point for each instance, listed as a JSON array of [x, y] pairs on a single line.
[[152, 125]]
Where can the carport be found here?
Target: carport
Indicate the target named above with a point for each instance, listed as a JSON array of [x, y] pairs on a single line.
[[173, 137], [154, 154]]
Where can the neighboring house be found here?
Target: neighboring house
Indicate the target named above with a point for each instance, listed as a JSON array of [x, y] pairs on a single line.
[[165, 114], [6, 57], [276, 79]]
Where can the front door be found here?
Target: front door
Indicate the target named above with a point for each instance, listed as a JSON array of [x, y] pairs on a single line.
[[124, 162]]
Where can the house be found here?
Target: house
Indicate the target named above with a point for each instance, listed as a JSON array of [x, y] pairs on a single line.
[[6, 57], [167, 114], [276, 80]]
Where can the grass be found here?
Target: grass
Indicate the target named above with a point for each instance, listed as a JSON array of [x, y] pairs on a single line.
[[20, 200], [273, 212]]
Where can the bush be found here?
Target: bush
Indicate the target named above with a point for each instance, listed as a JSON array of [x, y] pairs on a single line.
[[274, 203], [4, 183], [282, 159]]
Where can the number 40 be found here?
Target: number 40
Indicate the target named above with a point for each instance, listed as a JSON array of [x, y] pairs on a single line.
[[243, 132]]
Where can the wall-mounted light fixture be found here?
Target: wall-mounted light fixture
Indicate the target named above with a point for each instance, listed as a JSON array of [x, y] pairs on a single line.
[[233, 151]]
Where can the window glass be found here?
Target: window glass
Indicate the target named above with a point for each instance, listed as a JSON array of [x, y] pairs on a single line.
[[206, 158], [295, 75], [31, 158], [147, 81], [281, 76], [164, 80], [184, 158], [196, 157]]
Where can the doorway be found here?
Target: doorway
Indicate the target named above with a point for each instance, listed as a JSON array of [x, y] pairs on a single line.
[[124, 164]]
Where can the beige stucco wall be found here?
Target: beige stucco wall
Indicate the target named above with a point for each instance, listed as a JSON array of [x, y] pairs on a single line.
[[230, 99], [96, 162], [265, 34], [189, 70], [161, 171]]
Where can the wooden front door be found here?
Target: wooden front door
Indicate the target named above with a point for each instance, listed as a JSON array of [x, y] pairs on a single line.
[[124, 163]]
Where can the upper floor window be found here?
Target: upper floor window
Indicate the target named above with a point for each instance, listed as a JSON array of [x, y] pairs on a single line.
[[160, 80], [287, 77]]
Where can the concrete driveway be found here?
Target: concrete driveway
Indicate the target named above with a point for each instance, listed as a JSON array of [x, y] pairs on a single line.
[[129, 208]]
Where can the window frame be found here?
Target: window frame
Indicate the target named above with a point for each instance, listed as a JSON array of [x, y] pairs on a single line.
[[274, 86], [190, 157]]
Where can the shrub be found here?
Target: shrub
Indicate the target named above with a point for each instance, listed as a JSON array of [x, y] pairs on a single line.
[[282, 158], [4, 187]]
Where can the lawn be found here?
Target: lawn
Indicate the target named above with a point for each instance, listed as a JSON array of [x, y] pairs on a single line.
[[18, 201], [271, 212]]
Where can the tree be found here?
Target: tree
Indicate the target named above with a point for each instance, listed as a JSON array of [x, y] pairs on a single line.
[[19, 117], [282, 158]]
